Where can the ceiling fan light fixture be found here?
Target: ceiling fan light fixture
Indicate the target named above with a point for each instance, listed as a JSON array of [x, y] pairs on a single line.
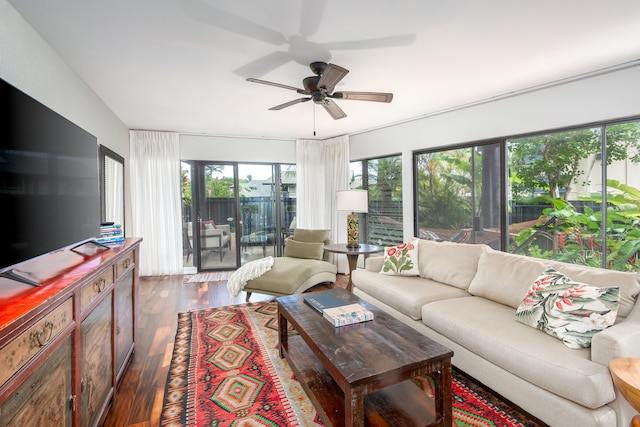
[[319, 88]]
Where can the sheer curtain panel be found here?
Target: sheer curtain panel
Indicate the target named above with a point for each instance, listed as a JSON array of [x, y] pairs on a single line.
[[322, 169], [155, 201]]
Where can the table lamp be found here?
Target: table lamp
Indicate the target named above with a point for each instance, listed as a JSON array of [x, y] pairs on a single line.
[[353, 201]]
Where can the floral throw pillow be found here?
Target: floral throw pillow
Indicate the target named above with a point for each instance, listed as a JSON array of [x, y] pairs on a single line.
[[570, 311], [401, 260]]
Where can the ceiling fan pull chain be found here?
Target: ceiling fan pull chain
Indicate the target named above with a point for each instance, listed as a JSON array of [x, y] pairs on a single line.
[[314, 119]]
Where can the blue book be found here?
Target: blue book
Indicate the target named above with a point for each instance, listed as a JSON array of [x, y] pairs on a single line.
[[322, 300]]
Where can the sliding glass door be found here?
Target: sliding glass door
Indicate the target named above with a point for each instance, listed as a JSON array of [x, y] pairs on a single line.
[[235, 213]]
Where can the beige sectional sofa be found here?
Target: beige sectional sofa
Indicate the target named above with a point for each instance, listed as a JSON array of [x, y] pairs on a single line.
[[466, 297]]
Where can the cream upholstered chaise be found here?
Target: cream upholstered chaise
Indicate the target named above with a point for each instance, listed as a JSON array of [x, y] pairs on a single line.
[[304, 265]]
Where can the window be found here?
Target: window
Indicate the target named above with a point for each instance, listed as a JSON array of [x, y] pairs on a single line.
[[568, 204], [382, 177], [458, 194]]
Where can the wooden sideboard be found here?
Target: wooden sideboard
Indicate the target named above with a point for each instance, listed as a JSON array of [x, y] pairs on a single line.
[[65, 345]]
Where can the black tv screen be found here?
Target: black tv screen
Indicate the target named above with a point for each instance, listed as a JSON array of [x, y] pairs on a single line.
[[49, 184]]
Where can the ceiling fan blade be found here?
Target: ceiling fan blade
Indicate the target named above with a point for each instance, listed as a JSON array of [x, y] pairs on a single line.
[[262, 66], [364, 96], [333, 109], [290, 103], [377, 43], [265, 82], [331, 77]]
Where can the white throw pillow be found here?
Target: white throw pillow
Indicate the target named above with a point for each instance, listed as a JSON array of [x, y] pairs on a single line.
[[401, 260]]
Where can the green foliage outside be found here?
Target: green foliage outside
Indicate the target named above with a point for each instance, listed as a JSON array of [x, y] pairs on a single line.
[[579, 237], [444, 189], [385, 179], [215, 187], [553, 163]]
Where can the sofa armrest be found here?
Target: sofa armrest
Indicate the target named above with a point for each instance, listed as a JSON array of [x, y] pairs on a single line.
[[374, 263], [619, 340], [226, 228]]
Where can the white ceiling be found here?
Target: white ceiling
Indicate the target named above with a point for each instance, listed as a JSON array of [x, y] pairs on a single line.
[[180, 65]]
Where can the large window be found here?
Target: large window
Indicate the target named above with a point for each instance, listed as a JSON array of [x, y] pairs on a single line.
[[570, 195], [575, 195]]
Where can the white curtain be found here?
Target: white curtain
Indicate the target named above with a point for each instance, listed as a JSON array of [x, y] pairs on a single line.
[[155, 201], [322, 168]]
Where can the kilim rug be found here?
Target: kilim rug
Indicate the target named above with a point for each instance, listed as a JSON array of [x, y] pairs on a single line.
[[214, 276], [226, 371]]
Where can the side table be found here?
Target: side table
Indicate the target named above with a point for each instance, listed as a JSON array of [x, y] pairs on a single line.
[[626, 377], [352, 254]]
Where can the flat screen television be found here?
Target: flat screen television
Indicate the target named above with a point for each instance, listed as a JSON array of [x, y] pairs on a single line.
[[49, 182]]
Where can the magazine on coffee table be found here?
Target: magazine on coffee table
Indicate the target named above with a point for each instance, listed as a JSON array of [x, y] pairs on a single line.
[[347, 314]]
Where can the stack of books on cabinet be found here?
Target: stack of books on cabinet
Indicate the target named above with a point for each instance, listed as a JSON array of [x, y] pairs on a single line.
[[111, 233]]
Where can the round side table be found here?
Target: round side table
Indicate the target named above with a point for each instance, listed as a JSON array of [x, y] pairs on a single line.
[[352, 254], [626, 377]]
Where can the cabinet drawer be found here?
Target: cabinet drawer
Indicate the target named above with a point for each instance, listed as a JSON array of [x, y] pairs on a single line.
[[93, 289], [123, 264], [18, 352]]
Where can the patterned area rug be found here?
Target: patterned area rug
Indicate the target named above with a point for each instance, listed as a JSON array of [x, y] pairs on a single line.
[[226, 371], [215, 276]]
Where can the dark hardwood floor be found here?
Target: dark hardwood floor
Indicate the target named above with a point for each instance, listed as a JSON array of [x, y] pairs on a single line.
[[138, 400]]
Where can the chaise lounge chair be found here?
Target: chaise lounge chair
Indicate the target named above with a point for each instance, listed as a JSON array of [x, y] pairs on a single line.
[[304, 265]]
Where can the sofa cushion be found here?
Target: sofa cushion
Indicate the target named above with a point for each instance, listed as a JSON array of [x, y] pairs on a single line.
[[570, 311], [505, 278], [405, 294], [489, 330], [401, 260], [306, 250], [452, 263]]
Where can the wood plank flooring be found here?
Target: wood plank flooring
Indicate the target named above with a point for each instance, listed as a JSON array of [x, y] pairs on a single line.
[[138, 400]]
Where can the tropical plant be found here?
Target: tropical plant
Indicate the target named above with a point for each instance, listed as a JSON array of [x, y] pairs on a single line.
[[579, 235], [444, 188], [385, 179]]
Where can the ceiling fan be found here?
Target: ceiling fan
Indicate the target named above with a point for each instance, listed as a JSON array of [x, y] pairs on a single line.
[[319, 88]]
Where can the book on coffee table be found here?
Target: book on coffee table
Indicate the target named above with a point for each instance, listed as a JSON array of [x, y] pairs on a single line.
[[347, 314], [320, 301]]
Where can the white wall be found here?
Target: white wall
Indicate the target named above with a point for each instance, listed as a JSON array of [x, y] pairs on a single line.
[[30, 64], [230, 149], [603, 97]]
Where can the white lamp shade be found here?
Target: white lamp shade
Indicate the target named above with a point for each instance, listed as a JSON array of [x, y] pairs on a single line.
[[352, 201]]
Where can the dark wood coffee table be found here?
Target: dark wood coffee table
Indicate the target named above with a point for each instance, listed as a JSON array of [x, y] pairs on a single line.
[[359, 374]]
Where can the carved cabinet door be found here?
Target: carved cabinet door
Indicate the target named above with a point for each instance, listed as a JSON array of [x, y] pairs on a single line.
[[96, 361], [124, 319], [44, 398]]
